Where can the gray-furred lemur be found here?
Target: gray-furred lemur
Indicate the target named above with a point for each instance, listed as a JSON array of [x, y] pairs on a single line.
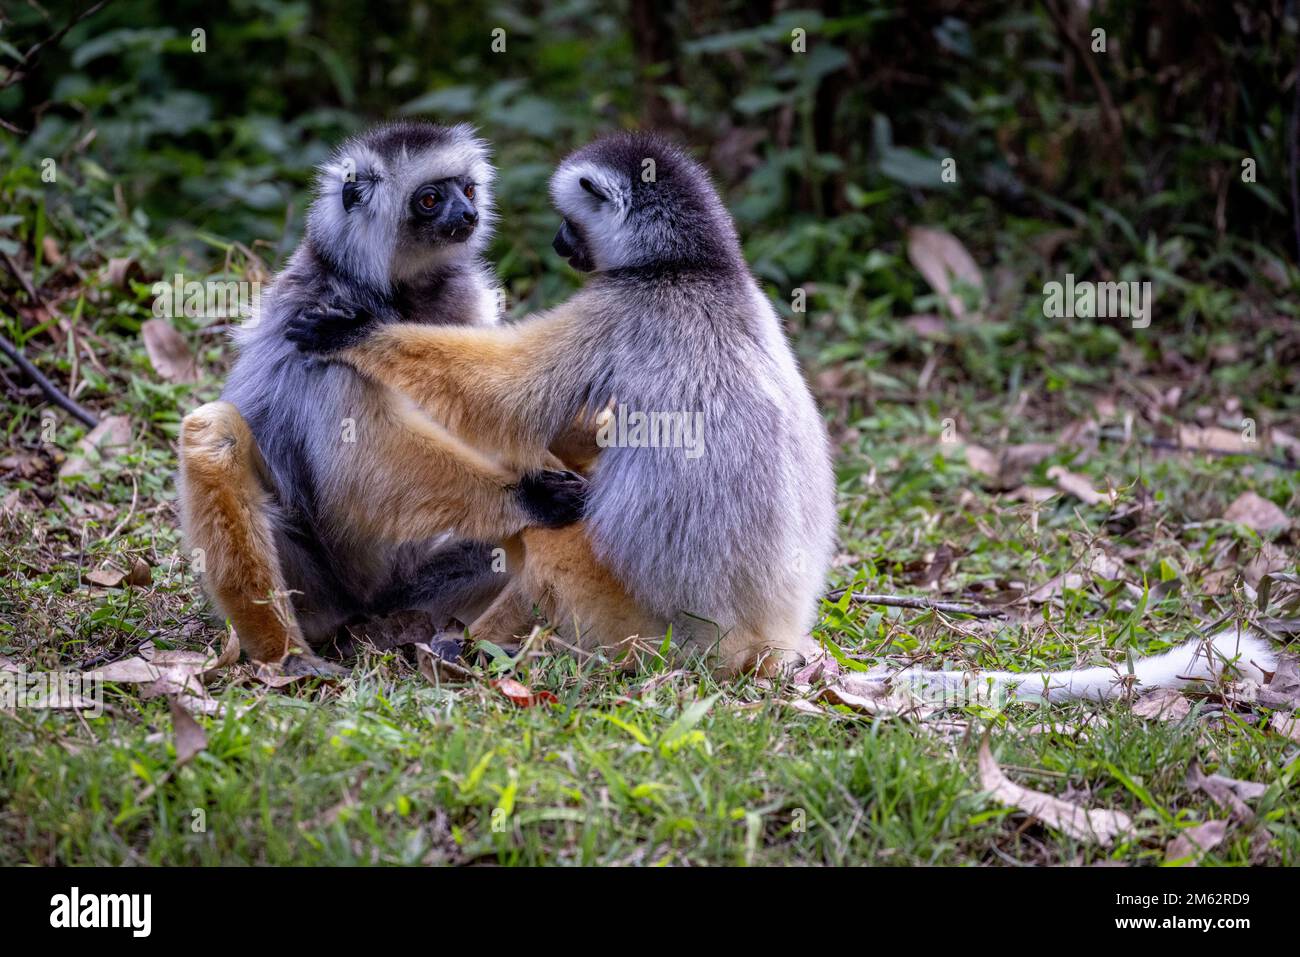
[[730, 548], [308, 479]]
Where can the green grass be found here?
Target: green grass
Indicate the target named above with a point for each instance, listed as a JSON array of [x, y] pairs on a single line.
[[384, 767]]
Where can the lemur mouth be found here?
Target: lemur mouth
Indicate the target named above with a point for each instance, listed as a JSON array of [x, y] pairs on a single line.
[[568, 243], [458, 234]]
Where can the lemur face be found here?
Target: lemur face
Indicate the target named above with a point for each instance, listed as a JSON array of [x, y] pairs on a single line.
[[444, 211], [403, 200], [634, 200]]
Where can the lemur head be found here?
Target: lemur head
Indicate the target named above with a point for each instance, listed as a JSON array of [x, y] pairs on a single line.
[[402, 199], [634, 200]]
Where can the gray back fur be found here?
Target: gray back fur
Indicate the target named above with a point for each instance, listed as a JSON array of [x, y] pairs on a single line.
[[673, 321]]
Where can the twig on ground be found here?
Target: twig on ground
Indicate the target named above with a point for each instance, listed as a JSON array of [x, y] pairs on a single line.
[[52, 392], [920, 603]]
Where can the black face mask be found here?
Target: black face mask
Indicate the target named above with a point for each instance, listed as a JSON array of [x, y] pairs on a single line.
[[570, 245]]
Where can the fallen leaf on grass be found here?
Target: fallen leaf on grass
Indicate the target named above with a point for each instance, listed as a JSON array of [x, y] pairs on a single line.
[[1192, 842], [102, 442], [944, 262], [1257, 513], [1286, 724], [107, 577], [1076, 485], [983, 461], [190, 736], [1213, 439], [1282, 693], [168, 354], [521, 695], [1079, 823], [110, 576], [1164, 705], [121, 269], [1227, 792], [1055, 587], [1268, 560], [1033, 493]]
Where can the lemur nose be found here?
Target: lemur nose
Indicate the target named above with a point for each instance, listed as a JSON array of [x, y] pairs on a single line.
[[470, 216]]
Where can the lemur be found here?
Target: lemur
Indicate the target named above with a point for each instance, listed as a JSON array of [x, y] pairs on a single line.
[[309, 479], [729, 548]]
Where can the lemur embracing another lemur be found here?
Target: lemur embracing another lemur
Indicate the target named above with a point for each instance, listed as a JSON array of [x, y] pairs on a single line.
[[730, 548], [308, 479]]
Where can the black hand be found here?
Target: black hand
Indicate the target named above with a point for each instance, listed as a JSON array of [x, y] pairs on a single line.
[[552, 499], [328, 329]]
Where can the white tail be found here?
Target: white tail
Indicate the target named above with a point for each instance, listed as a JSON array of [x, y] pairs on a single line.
[[1196, 660]]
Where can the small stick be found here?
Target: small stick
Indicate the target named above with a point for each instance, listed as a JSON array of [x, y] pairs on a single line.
[[52, 392], [922, 604]]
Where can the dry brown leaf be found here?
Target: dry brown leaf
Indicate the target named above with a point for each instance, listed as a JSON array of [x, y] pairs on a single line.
[[1055, 587], [866, 704], [168, 352], [140, 576], [1213, 439], [120, 270], [102, 442], [1192, 842], [1079, 823], [1025, 455], [1076, 485], [943, 261], [927, 326], [107, 577], [521, 695], [982, 460], [190, 736], [1227, 792], [1282, 692], [1258, 513], [1268, 560], [1033, 493], [1167, 704], [1287, 724]]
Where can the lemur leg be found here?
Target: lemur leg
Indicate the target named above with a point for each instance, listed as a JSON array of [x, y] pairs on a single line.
[[507, 619], [224, 511], [580, 598], [591, 608]]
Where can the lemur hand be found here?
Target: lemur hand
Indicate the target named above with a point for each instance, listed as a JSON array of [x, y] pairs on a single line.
[[552, 499], [329, 329]]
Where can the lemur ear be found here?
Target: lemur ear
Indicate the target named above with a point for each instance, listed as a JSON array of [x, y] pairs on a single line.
[[591, 187], [354, 192]]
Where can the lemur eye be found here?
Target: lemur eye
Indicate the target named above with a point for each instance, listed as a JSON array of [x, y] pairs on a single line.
[[428, 201], [469, 191]]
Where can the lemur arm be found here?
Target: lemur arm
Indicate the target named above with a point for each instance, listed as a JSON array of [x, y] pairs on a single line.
[[494, 387], [413, 480]]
